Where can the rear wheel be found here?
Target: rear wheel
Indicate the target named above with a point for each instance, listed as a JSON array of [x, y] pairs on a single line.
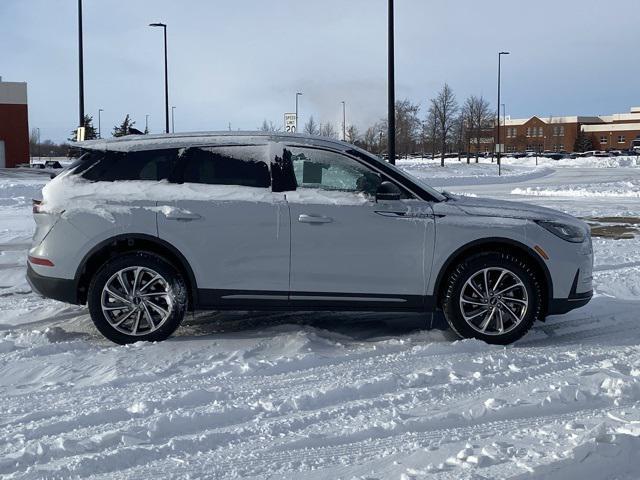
[[495, 297], [137, 297]]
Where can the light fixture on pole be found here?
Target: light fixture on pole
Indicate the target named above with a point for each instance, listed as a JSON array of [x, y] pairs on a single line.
[[100, 110], [344, 121], [498, 146], [166, 75], [297, 95], [391, 108]]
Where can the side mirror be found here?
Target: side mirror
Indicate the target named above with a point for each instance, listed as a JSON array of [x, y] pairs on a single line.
[[388, 191]]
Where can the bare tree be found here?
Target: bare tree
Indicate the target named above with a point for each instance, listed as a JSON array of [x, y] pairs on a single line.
[[328, 130], [479, 118], [352, 134], [269, 127], [445, 109], [311, 127], [407, 127], [430, 130]]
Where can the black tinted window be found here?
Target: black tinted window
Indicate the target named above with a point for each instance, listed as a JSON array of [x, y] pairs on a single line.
[[242, 165], [146, 165]]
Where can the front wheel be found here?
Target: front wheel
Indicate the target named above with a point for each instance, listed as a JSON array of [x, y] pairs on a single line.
[[494, 297], [137, 297]]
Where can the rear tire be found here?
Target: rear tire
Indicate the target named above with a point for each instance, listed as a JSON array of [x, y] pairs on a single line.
[[138, 296], [494, 297]]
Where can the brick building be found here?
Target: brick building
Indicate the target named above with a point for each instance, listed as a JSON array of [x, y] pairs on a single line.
[[14, 124], [559, 134]]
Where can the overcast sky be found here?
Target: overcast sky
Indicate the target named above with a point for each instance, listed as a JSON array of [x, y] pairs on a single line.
[[242, 61]]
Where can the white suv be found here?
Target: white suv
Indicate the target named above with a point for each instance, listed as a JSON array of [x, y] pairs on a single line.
[[145, 228]]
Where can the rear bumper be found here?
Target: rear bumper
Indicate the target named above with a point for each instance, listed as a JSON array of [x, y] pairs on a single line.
[[61, 289]]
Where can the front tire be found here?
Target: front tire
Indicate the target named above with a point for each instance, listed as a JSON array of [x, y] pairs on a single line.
[[137, 297], [494, 297]]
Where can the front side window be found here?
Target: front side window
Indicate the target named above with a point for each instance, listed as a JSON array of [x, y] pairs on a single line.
[[234, 165], [153, 165], [321, 169]]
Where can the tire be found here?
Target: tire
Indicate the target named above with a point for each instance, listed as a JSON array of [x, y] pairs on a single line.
[[151, 292], [504, 314]]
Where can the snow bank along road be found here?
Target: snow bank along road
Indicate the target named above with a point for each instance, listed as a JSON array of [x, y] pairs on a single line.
[[317, 396]]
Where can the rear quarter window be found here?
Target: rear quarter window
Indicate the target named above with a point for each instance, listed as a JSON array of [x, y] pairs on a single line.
[[150, 165]]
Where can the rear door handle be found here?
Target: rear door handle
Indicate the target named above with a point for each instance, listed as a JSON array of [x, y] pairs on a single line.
[[314, 219], [387, 213]]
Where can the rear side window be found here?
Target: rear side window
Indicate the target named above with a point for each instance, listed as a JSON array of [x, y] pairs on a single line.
[[237, 165], [151, 165]]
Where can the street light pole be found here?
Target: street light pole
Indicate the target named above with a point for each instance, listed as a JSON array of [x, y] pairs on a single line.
[[297, 95], [173, 120], [100, 122], [146, 123], [80, 67], [166, 75], [39, 143], [391, 140], [498, 134], [344, 121]]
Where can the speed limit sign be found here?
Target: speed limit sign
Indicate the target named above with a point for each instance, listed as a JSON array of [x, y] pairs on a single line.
[[290, 122]]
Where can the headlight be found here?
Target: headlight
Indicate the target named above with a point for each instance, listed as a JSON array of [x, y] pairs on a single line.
[[570, 233]]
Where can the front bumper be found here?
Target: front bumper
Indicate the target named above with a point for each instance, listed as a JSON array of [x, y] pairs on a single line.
[[61, 289], [558, 306]]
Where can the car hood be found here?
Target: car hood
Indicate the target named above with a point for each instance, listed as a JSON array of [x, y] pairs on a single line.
[[488, 207]]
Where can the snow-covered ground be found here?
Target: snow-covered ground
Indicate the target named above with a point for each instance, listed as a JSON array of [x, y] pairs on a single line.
[[328, 396]]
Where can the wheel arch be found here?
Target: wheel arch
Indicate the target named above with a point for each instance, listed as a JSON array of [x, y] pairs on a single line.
[[498, 244], [125, 243]]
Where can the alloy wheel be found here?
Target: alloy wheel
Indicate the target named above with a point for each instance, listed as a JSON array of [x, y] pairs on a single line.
[[494, 301], [137, 300]]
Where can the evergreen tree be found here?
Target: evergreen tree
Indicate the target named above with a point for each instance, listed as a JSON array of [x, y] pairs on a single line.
[[90, 132], [124, 128], [583, 142]]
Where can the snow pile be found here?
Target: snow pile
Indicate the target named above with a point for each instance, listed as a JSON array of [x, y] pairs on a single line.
[[629, 188], [580, 162]]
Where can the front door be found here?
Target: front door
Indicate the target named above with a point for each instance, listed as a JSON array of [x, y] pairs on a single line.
[[232, 229], [347, 249]]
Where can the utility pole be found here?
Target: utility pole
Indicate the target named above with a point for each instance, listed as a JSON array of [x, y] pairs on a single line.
[[391, 140], [498, 134], [166, 75], [297, 95], [80, 67], [344, 122], [100, 122]]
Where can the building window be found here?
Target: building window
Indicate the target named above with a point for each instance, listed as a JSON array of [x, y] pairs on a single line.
[[528, 131], [561, 131], [603, 139], [621, 139]]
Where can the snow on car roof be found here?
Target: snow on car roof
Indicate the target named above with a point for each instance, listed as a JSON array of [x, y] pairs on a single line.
[[133, 143]]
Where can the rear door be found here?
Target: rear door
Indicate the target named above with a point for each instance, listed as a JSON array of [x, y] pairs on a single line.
[[347, 249], [232, 229]]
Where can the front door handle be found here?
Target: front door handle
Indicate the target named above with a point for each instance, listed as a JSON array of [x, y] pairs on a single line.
[[180, 215], [314, 219]]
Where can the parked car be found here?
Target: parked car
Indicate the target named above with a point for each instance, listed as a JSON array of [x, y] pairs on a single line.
[[143, 229]]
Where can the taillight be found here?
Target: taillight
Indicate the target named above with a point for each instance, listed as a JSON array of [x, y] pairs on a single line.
[[37, 206]]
